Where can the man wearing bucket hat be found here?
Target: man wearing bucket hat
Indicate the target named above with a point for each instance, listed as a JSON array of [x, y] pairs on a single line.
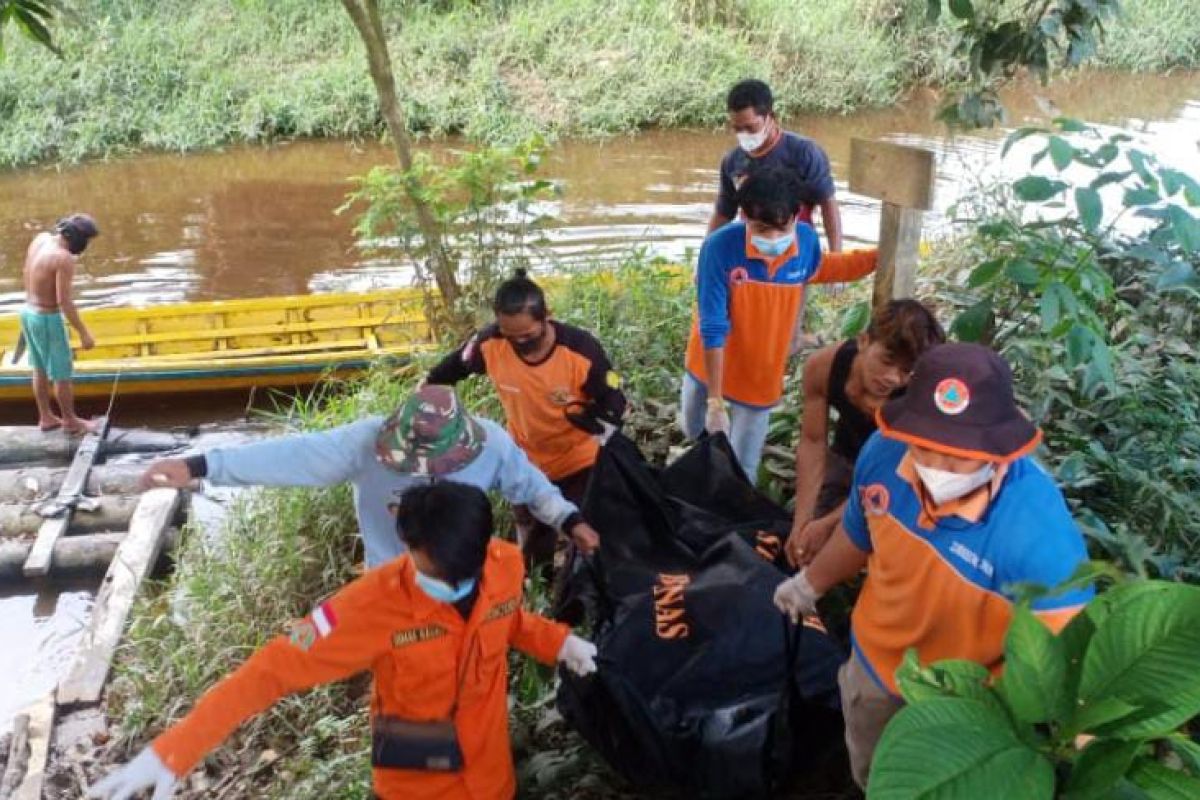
[[948, 513], [430, 437]]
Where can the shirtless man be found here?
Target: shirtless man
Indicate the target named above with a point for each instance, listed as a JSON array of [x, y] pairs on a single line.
[[49, 273]]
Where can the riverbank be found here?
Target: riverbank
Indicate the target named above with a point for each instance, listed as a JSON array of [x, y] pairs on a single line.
[[178, 76]]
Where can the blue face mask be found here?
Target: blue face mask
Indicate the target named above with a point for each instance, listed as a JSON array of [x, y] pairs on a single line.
[[443, 592], [773, 247]]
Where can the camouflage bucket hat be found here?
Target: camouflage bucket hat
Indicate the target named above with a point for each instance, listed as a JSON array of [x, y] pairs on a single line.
[[430, 434]]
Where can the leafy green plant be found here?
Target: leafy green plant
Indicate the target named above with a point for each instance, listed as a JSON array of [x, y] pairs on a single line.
[[1085, 278], [1093, 712], [999, 39], [31, 17], [487, 205]]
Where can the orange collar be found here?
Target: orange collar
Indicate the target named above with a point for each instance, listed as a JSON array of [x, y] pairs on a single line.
[[773, 262], [971, 507]]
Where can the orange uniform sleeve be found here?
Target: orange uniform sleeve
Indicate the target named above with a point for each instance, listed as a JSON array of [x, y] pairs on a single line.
[[1056, 619], [341, 637], [846, 267], [537, 636]]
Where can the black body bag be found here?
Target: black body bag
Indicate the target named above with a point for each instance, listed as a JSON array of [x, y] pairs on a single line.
[[703, 686]]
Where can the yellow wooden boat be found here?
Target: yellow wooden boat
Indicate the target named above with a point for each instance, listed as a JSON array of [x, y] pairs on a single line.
[[272, 342]]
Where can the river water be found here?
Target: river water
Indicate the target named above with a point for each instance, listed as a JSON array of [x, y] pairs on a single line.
[[248, 222]]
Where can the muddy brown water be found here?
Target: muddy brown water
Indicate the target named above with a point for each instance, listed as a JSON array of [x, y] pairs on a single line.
[[247, 222]]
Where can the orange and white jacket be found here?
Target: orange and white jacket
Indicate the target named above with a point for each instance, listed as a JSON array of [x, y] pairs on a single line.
[[417, 649]]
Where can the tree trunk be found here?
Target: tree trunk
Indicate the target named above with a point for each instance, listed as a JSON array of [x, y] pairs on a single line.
[[74, 556], [34, 483], [365, 14], [18, 520]]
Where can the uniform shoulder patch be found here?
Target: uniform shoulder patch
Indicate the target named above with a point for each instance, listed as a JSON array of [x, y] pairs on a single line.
[[414, 635], [613, 379], [302, 634], [507, 608]]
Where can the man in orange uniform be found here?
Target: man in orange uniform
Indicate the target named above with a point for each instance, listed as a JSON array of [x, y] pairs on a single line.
[[559, 392], [750, 284], [434, 626]]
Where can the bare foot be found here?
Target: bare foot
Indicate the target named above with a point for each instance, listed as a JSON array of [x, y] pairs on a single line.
[[79, 426], [49, 423]]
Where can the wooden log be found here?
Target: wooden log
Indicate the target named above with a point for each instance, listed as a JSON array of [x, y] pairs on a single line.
[[18, 520], [23, 444], [18, 756], [36, 483], [74, 556], [84, 681], [41, 727], [38, 563]]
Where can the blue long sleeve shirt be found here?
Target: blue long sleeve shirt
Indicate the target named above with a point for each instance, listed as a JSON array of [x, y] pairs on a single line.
[[347, 453]]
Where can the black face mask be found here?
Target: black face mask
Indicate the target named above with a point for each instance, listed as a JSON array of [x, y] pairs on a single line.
[[527, 347]]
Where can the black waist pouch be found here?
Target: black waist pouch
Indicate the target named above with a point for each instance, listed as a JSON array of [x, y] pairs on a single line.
[[428, 746]]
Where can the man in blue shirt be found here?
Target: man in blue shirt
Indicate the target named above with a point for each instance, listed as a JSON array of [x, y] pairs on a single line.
[[762, 142], [430, 437]]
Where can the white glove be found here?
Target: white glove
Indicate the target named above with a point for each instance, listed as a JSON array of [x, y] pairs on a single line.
[[796, 597], [716, 420], [578, 655], [144, 771]]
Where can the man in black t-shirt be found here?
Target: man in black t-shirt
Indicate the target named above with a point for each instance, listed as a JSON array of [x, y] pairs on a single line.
[[762, 142]]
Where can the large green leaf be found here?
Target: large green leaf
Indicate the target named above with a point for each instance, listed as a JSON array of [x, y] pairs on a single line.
[[1090, 207], [1035, 667], [962, 9], [1145, 652], [975, 323], [1187, 229], [1035, 188], [1061, 153], [1099, 768], [950, 747], [1163, 783], [1023, 273]]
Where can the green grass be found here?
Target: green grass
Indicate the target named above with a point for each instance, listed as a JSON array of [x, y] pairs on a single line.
[[194, 74]]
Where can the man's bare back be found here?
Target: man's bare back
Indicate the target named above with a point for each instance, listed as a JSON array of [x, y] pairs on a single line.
[[49, 273], [43, 262]]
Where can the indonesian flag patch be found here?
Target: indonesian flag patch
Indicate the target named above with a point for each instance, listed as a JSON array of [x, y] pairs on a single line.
[[324, 619]]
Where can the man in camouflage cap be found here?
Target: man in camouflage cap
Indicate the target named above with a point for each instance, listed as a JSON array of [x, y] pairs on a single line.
[[429, 437]]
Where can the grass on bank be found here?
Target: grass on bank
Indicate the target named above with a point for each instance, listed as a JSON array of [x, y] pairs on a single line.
[[195, 74]]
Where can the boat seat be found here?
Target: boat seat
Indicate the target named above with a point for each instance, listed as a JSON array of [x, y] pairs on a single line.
[[278, 329]]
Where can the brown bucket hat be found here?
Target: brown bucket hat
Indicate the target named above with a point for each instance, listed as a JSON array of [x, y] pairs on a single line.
[[430, 434], [960, 402]]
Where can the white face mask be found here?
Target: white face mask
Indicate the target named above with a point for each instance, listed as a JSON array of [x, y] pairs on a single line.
[[945, 486], [752, 141]]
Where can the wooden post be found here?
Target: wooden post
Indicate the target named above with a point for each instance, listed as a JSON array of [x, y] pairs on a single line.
[[40, 726], [903, 178], [84, 681], [38, 563]]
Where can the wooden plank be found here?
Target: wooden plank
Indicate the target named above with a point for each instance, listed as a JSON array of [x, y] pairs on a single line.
[[38, 563], [894, 173], [84, 681], [18, 756], [41, 726], [899, 251]]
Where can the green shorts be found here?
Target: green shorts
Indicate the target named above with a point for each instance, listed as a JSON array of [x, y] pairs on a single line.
[[46, 339]]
